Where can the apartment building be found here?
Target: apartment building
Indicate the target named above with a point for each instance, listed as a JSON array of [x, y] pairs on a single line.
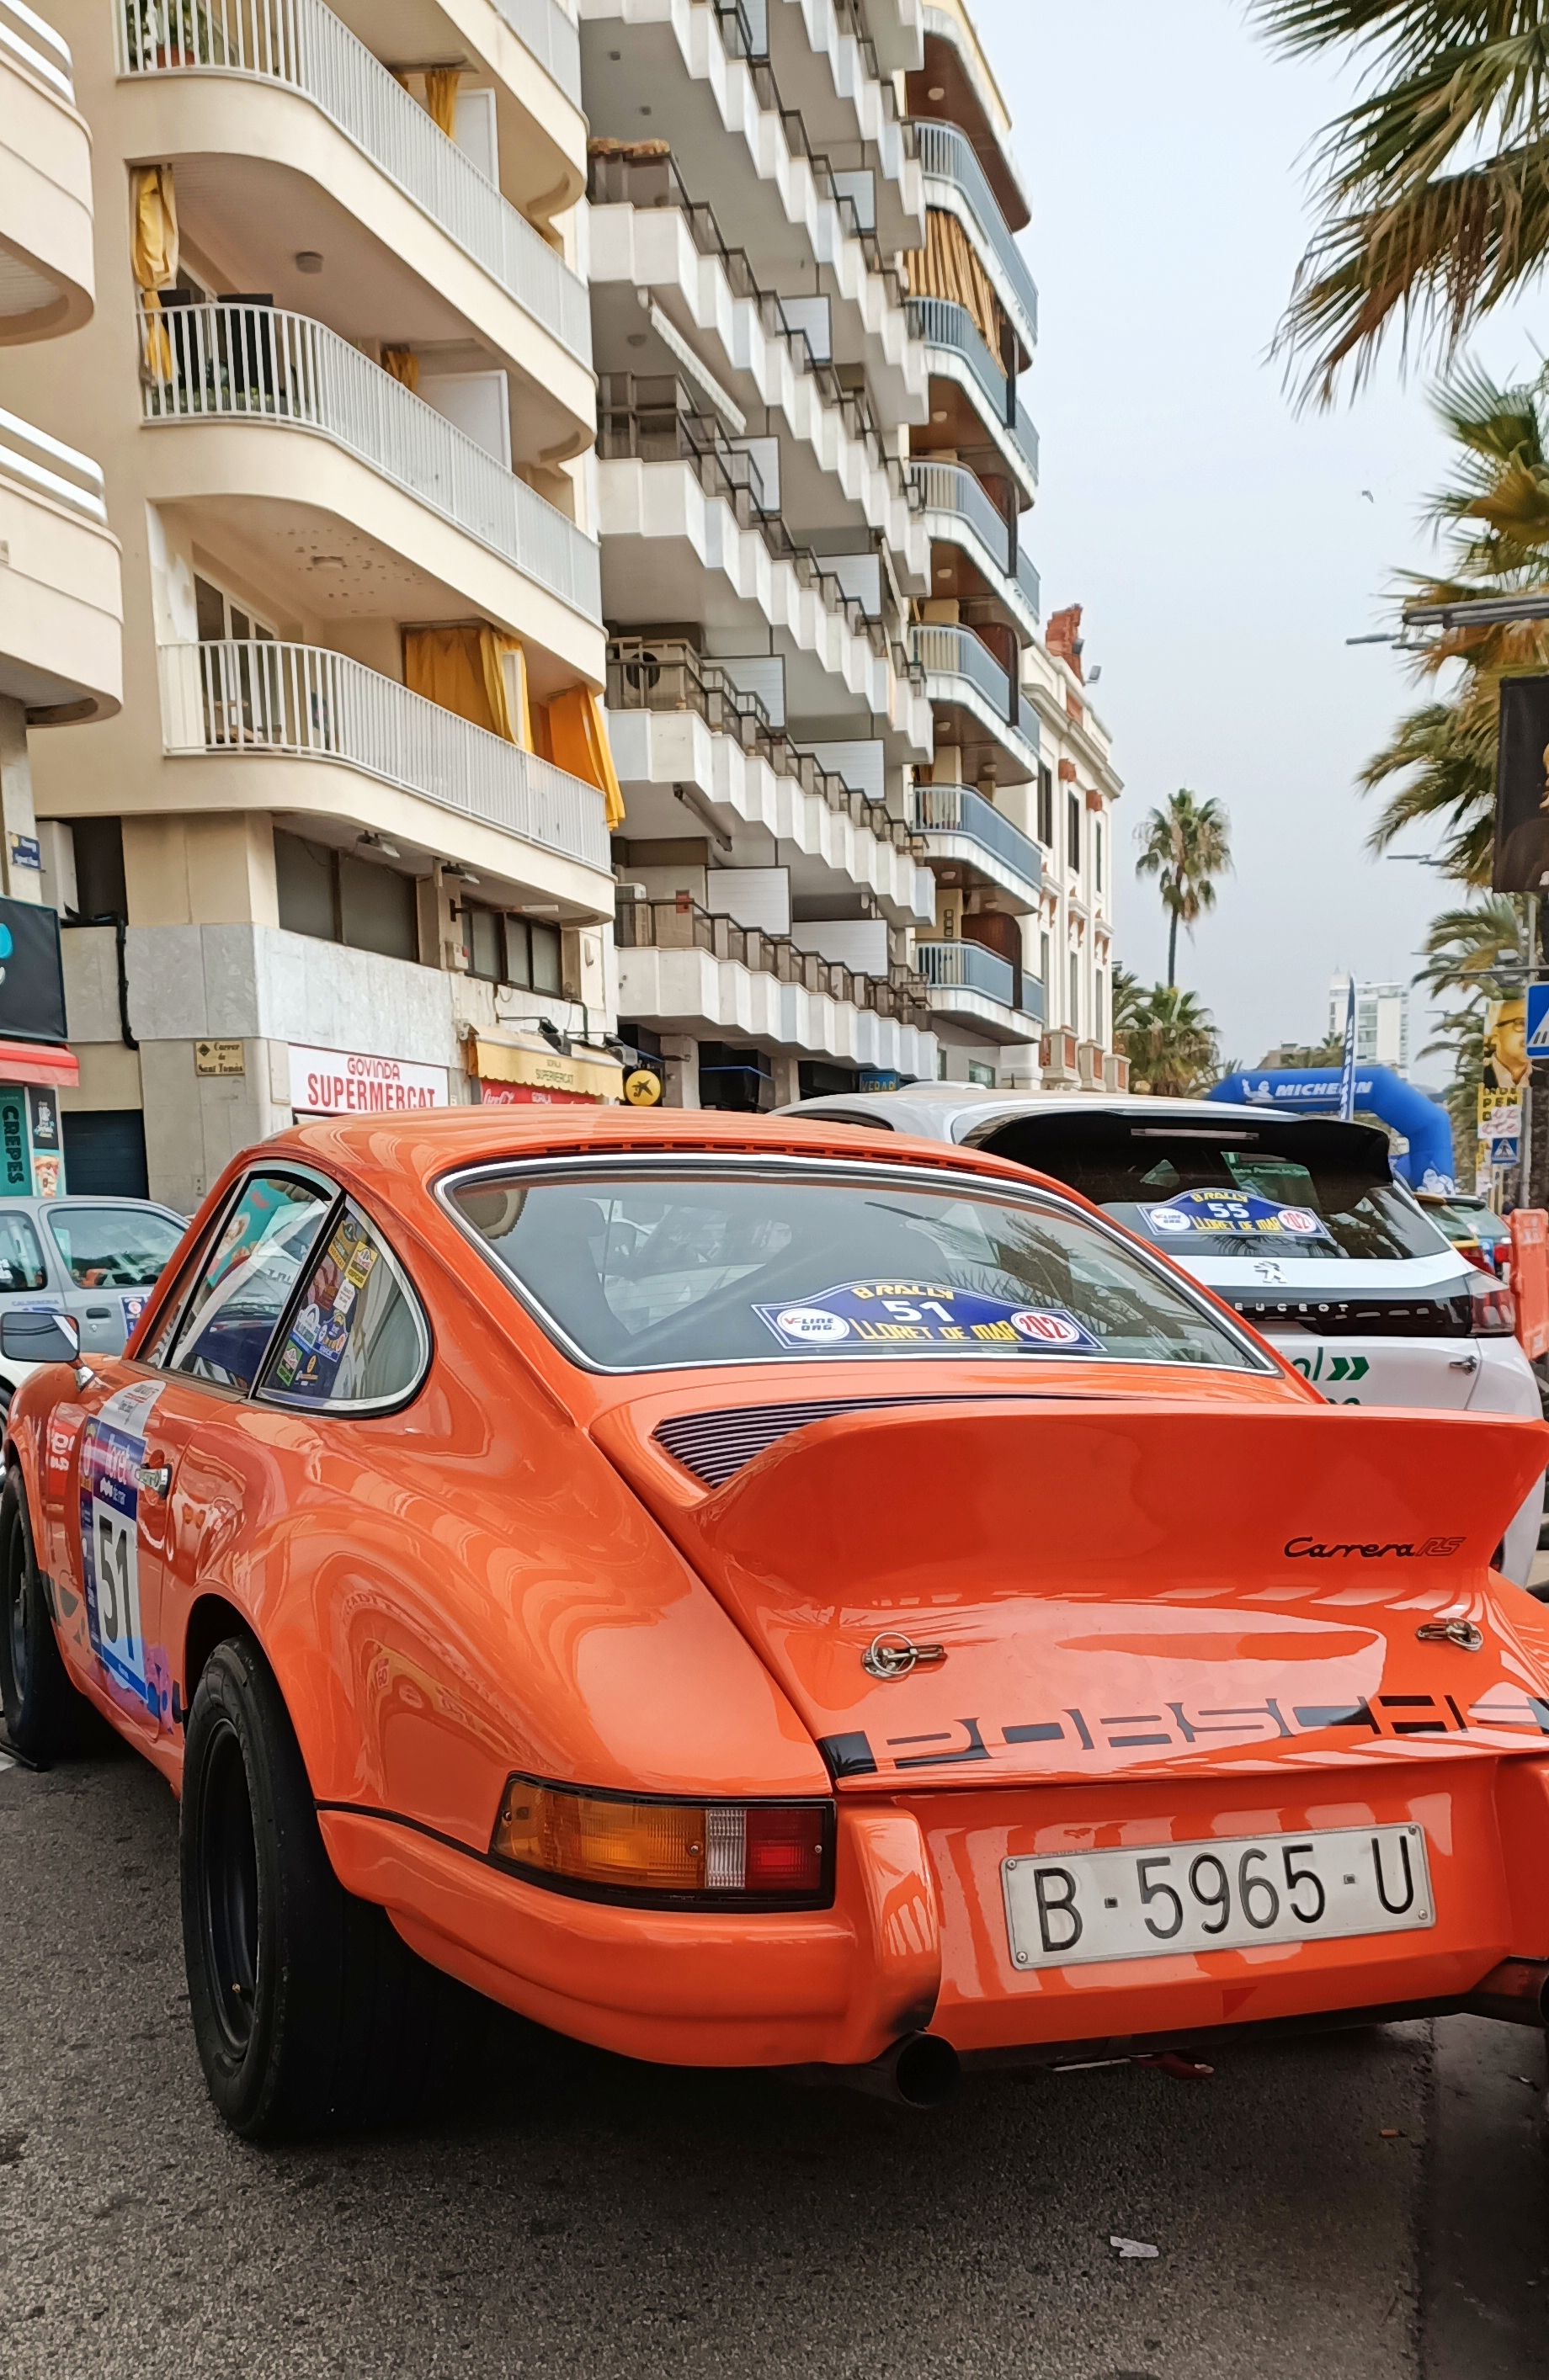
[[1068, 941], [59, 566], [752, 185], [346, 844]]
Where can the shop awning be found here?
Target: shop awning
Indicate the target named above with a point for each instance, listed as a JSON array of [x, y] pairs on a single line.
[[590, 1076], [39, 1061]]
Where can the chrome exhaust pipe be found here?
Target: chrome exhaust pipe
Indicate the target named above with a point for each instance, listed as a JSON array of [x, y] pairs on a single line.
[[1517, 1992], [920, 2070]]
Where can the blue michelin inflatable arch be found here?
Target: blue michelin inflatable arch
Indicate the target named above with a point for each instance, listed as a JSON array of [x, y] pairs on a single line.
[[1428, 1162]]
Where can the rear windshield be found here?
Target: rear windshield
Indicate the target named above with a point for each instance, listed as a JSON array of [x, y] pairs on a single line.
[[1308, 1190], [113, 1247], [640, 1268], [1460, 1219]]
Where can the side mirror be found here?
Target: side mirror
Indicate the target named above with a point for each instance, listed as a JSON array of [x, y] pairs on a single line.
[[40, 1338]]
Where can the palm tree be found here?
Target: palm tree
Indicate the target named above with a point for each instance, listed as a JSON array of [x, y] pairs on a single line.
[[1170, 1043], [1476, 951], [1436, 193], [1186, 845], [1439, 763]]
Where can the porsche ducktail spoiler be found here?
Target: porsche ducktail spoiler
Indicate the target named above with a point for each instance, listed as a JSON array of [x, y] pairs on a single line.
[[1072, 1589]]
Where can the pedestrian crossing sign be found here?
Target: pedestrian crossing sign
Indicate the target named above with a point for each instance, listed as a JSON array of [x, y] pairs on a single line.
[[1538, 1020]]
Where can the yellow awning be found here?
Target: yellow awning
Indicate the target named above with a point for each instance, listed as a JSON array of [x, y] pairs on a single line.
[[546, 1070]]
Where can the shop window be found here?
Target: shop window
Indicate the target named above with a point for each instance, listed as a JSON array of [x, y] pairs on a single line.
[[337, 897], [104, 1153], [981, 1076], [735, 1076]]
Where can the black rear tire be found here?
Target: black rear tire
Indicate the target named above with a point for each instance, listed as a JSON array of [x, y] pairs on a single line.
[[310, 2013], [45, 1718]]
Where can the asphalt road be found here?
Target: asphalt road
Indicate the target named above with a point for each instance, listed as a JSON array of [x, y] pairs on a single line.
[[1369, 2207]]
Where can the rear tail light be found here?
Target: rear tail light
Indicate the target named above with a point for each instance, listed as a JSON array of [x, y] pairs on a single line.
[[1494, 1309], [1476, 1254], [667, 1853]]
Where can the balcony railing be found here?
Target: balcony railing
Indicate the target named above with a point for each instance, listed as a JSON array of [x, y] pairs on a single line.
[[968, 966], [943, 323], [544, 29], [651, 421], [257, 363], [665, 674], [682, 925], [26, 37], [259, 700], [303, 46], [946, 155], [49, 467], [948, 488], [956, 809], [943, 650], [656, 182]]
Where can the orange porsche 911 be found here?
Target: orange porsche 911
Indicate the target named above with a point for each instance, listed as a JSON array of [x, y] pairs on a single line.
[[756, 1593]]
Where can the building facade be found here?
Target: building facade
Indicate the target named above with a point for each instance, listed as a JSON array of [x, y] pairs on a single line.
[[345, 845], [60, 610], [1381, 1021], [578, 633]]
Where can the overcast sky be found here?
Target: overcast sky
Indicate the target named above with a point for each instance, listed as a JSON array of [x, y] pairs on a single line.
[[1220, 543]]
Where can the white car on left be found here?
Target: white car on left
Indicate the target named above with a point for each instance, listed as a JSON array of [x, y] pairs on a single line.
[[95, 1260]]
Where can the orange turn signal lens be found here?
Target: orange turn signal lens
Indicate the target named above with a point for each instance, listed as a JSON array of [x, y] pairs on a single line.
[[608, 1846]]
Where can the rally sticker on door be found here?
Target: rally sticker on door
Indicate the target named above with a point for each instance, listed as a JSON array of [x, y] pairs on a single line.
[[1196, 1214], [880, 1316], [112, 1450]]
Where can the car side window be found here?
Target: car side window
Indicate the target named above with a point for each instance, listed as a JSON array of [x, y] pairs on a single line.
[[357, 1336], [245, 1284], [21, 1260]]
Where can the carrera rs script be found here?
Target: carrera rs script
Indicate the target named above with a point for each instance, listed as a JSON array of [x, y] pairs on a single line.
[[1308, 1550]]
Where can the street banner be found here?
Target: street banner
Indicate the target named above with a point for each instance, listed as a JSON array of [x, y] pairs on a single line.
[[1348, 1074], [1507, 1061], [1500, 1122], [1521, 862]]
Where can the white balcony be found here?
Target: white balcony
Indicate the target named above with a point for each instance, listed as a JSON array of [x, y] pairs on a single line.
[[827, 69], [958, 513], [47, 272], [956, 352], [251, 706], [979, 706], [637, 53], [714, 978], [284, 375], [957, 182], [61, 606], [980, 994], [671, 549], [647, 236], [677, 728], [964, 831], [254, 83]]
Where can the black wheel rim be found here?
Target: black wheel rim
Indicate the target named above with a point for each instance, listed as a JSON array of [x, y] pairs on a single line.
[[228, 1887]]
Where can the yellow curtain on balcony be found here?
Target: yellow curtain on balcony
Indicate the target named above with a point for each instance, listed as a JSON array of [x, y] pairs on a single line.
[[947, 267], [463, 670], [578, 742], [154, 251], [402, 364], [441, 98]]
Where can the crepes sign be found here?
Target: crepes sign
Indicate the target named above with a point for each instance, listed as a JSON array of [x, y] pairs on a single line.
[[886, 1316]]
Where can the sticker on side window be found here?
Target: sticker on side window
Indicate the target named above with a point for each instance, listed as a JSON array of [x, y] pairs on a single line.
[[308, 1365], [1205, 1214], [886, 1316], [112, 1450]]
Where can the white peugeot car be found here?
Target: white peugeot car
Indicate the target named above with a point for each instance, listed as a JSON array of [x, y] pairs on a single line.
[[1296, 1220]]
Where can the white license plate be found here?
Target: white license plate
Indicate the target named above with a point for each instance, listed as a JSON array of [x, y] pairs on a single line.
[[1073, 1908]]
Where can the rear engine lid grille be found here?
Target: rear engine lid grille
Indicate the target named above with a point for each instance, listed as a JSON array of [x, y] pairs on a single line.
[[715, 1446]]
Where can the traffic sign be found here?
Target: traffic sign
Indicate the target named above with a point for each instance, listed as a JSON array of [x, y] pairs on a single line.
[[1538, 1020]]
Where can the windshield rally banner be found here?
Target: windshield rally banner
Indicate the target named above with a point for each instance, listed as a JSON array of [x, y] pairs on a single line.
[[1239, 1214], [858, 1316]]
